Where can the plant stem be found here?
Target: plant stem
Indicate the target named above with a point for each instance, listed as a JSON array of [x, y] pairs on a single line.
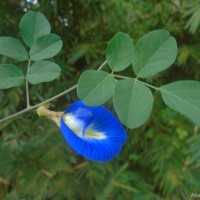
[[126, 77], [54, 116], [28, 108], [102, 65], [39, 104], [119, 76], [151, 86], [27, 89]]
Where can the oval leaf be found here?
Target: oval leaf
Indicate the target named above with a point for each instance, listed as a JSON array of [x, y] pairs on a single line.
[[184, 97], [95, 87], [133, 102], [46, 46], [153, 53], [10, 76], [13, 48], [119, 52], [43, 71], [32, 26]]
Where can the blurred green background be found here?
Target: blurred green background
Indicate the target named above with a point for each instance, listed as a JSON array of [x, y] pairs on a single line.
[[160, 160]]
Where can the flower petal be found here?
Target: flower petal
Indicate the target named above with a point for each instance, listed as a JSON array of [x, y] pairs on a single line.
[[93, 132]]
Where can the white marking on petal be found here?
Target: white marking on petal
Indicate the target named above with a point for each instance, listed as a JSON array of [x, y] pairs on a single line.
[[74, 124], [77, 126], [90, 133]]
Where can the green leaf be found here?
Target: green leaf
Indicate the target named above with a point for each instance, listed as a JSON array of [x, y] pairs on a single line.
[[32, 26], [133, 102], [119, 52], [45, 47], [154, 52], [183, 97], [10, 76], [95, 87], [43, 71], [13, 48]]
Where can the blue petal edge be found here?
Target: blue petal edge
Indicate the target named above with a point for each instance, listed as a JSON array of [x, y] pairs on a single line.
[[93, 132]]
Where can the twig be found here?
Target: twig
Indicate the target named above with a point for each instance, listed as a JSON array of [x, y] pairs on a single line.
[[39, 104], [151, 86], [46, 101], [126, 77], [102, 65], [119, 76]]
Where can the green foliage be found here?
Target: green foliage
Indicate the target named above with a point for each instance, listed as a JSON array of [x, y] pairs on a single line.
[[133, 102], [119, 52], [160, 160], [45, 47], [153, 53], [33, 26], [184, 97], [193, 152], [13, 48], [35, 31], [194, 21], [10, 76], [97, 84], [43, 71]]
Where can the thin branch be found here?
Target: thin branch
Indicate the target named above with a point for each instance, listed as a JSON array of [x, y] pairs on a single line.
[[102, 65], [46, 101], [27, 89], [126, 77], [151, 86], [16, 114], [119, 76], [39, 104], [57, 96]]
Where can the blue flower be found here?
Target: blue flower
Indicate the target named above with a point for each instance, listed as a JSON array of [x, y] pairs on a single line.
[[93, 132]]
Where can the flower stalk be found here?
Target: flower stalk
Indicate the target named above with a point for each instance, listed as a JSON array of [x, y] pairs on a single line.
[[54, 116]]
